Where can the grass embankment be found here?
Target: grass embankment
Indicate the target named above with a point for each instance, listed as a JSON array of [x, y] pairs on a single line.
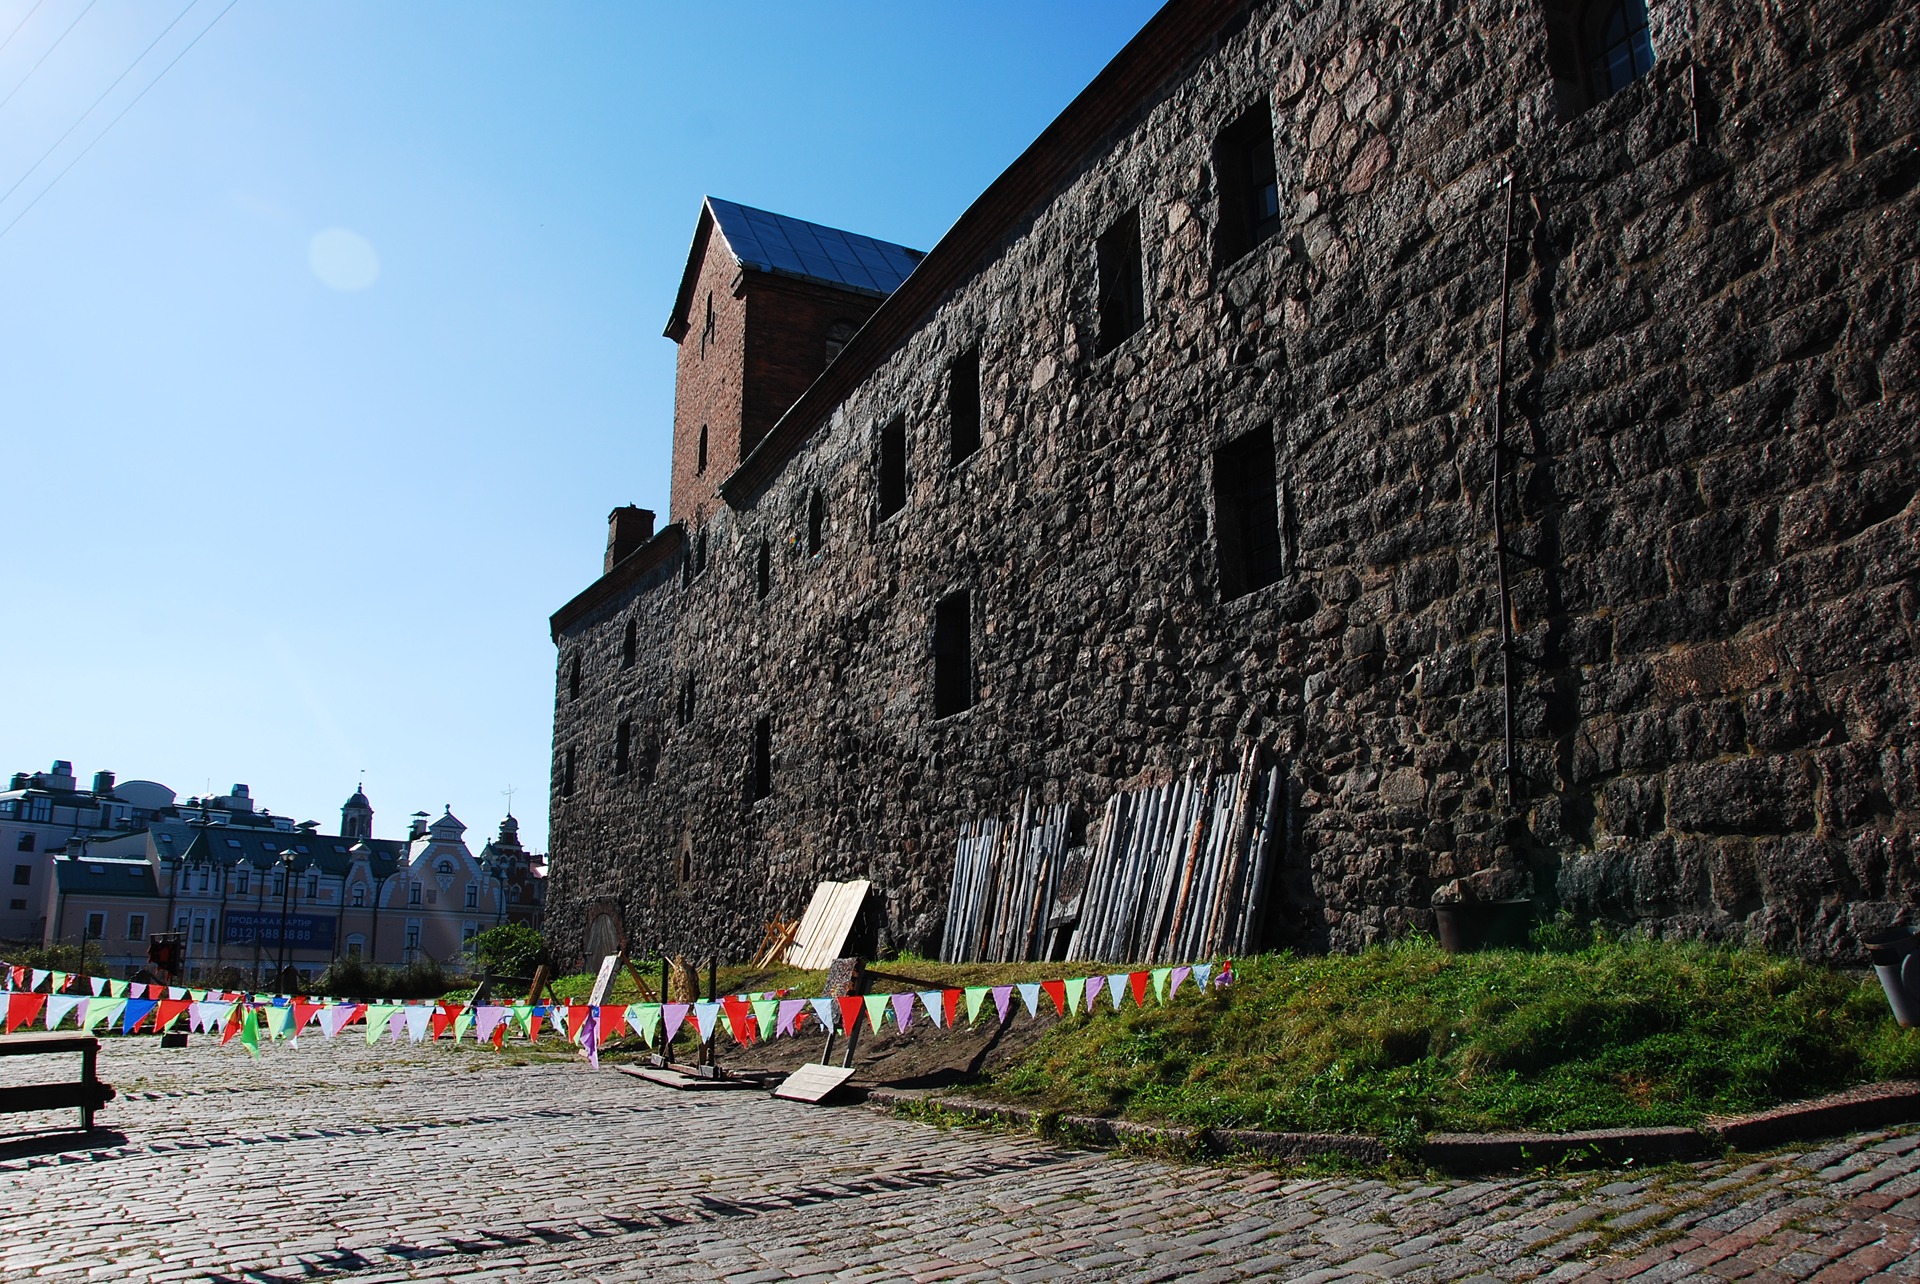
[[1404, 1040], [892, 975]]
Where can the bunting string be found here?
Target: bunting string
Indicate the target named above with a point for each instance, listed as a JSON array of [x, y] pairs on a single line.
[[107, 1006]]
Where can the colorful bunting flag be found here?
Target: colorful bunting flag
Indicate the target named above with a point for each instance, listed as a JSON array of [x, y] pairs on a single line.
[[22, 1009], [1160, 975], [377, 1020], [1201, 971], [706, 1019], [976, 995], [1137, 984], [850, 1008], [169, 1011], [250, 1032], [644, 1020], [1057, 991], [765, 1013], [1030, 995], [674, 1014], [902, 1005], [932, 1002], [876, 1005], [1003, 999], [790, 1011], [137, 1011], [1089, 991], [1117, 988], [1179, 975]]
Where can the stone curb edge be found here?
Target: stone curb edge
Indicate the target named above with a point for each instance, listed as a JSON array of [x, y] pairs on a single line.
[[1857, 1109]]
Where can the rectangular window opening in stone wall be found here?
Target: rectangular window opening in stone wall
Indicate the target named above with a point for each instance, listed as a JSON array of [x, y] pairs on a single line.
[[816, 521], [629, 645], [686, 700], [1246, 514], [1122, 283], [700, 459], [573, 677], [1595, 48], [893, 467], [963, 404], [623, 746], [566, 773], [953, 654], [1248, 183], [763, 571], [760, 780]]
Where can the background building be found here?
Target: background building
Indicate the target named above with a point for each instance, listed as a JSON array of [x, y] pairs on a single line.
[[228, 877]]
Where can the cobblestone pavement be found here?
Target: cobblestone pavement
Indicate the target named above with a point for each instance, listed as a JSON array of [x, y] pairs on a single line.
[[343, 1161]]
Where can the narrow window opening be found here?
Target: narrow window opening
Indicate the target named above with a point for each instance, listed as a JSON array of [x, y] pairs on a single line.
[[700, 461], [706, 330], [573, 677], [963, 404], [816, 522], [566, 774], [1249, 183], [686, 706], [839, 335], [1595, 48], [1246, 514], [629, 645], [952, 654], [1123, 304], [761, 783], [763, 570], [623, 746], [893, 467]]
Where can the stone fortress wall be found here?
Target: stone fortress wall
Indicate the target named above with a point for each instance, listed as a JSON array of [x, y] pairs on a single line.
[[1709, 396]]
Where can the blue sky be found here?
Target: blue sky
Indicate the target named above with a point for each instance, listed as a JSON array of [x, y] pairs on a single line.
[[322, 368]]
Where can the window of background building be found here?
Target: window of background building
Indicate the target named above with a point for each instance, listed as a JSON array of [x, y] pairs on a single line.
[[240, 884], [17, 903], [26, 842], [313, 887], [22, 875], [473, 895], [96, 926], [893, 467], [1122, 283], [953, 654], [1248, 183], [356, 945], [963, 404], [359, 895], [136, 927], [199, 930], [413, 894], [1246, 514]]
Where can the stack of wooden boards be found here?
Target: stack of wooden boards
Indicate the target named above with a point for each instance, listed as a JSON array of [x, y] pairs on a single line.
[[1173, 872], [823, 929]]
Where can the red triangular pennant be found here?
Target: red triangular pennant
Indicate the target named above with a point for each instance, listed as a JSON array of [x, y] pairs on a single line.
[[23, 1008], [233, 1023], [851, 1008], [1137, 986], [443, 1017], [302, 1013], [576, 1017], [950, 1001], [1057, 991], [613, 1021], [740, 1017], [169, 1011]]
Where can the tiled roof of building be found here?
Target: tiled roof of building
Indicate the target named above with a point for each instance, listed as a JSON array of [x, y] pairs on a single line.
[[794, 247], [106, 877]]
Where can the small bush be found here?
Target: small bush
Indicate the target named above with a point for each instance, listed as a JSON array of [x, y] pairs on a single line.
[[509, 950], [353, 978]]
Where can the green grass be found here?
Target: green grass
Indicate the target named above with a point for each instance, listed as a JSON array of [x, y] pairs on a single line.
[[1404, 1040], [892, 975]]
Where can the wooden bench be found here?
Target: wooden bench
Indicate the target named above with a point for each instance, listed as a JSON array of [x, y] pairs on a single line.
[[88, 1095]]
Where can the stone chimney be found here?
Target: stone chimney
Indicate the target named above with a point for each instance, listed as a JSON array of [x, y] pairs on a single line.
[[628, 528]]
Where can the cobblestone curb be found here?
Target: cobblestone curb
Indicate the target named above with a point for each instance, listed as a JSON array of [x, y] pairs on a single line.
[[1855, 1110]]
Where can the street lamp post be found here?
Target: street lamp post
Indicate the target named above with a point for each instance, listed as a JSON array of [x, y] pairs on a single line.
[[287, 858]]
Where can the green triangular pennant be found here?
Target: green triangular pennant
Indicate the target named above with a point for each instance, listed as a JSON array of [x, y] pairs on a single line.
[[1160, 975], [976, 995], [278, 1019], [378, 1014], [876, 1009], [250, 1032], [765, 1011], [646, 1018], [1076, 993]]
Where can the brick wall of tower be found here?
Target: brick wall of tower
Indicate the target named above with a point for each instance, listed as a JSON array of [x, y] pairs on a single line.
[[709, 386]]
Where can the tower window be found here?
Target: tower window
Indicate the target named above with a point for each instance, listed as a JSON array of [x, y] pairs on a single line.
[[963, 404], [1249, 183], [952, 654], [623, 746], [629, 645], [1123, 304], [760, 784], [816, 522], [893, 467], [566, 773], [573, 677], [706, 330], [763, 570], [1595, 48], [700, 461], [839, 335], [686, 700], [1246, 514]]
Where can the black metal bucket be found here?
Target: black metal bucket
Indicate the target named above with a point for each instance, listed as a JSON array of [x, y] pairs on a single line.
[[1896, 959], [1483, 925]]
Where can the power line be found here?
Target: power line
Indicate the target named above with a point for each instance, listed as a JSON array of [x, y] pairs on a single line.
[[116, 120], [96, 102], [23, 22], [48, 54]]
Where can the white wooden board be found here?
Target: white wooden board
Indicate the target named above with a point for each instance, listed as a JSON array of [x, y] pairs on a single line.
[[812, 1082], [605, 979], [832, 921]]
